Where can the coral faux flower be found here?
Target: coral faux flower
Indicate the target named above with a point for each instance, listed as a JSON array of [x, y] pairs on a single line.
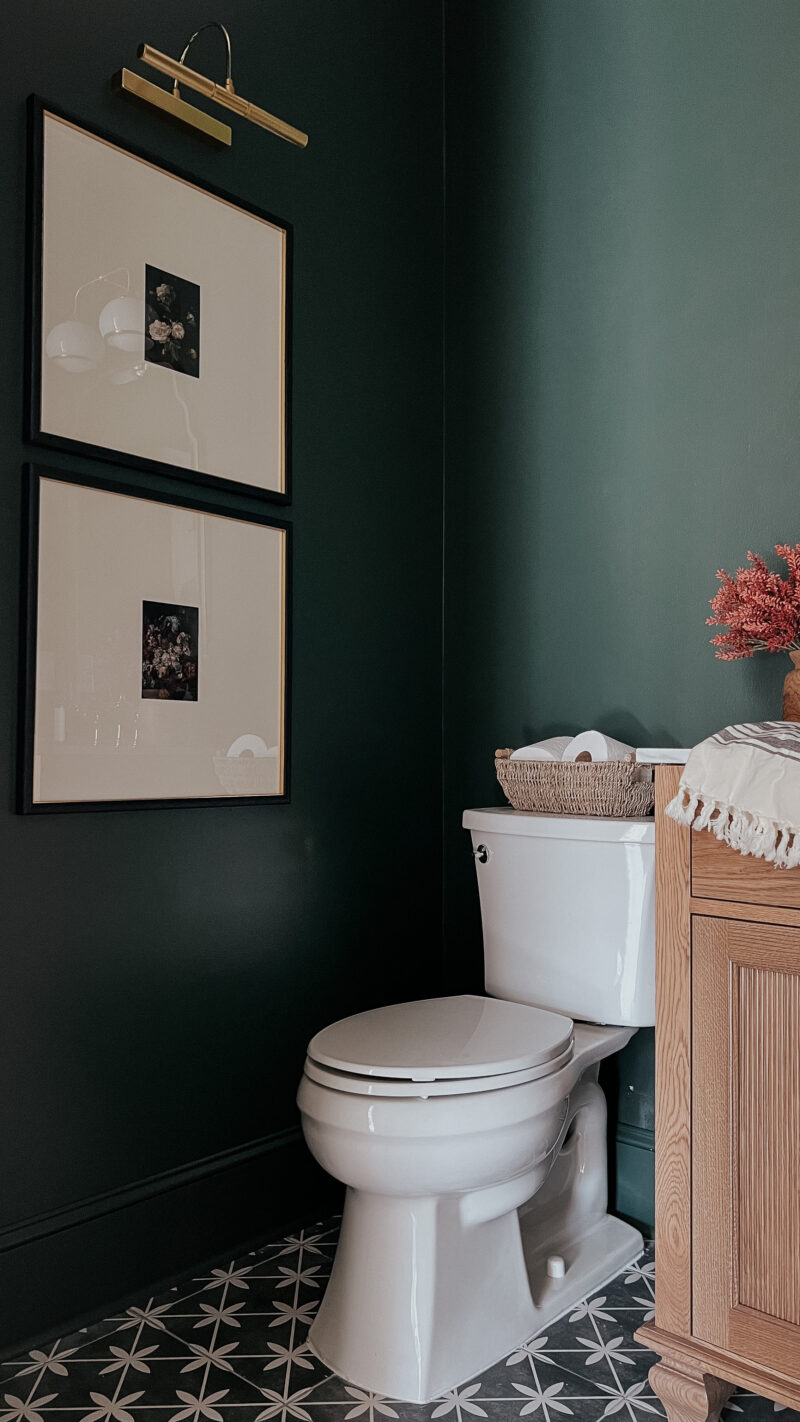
[[760, 608]]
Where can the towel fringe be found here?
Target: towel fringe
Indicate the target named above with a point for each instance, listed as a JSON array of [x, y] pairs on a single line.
[[751, 834]]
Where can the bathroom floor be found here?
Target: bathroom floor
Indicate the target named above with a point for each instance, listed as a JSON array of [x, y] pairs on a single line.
[[230, 1346]]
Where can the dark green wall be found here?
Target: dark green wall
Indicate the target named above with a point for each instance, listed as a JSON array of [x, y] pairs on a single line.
[[162, 971], [623, 379]]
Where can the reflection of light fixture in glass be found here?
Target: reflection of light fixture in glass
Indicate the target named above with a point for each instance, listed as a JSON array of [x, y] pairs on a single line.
[[77, 347], [74, 347], [126, 373], [122, 323]]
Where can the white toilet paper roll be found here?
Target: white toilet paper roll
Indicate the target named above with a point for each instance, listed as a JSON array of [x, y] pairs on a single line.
[[551, 749], [599, 747]]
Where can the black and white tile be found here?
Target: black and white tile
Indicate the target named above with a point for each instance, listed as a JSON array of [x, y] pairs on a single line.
[[231, 1346]]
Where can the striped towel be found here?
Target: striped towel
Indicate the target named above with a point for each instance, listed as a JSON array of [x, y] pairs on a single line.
[[743, 784]]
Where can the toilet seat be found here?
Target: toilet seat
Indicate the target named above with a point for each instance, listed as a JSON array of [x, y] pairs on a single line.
[[382, 1086], [440, 1047]]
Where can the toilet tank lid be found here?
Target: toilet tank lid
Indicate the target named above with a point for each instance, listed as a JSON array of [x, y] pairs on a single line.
[[443, 1037], [524, 822]]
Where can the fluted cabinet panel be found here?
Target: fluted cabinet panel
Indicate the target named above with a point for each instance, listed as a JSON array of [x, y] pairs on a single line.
[[746, 1138], [769, 1142]]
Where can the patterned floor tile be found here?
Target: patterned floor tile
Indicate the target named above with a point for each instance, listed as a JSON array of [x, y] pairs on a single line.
[[532, 1372], [230, 1345], [746, 1407]]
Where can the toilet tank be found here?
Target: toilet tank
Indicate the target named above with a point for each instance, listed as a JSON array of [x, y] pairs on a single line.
[[568, 913]]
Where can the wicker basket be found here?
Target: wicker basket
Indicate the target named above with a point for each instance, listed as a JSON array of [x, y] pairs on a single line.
[[614, 789]]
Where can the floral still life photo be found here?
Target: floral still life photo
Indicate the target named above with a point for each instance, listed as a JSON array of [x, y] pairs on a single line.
[[172, 324], [762, 613], [169, 652]]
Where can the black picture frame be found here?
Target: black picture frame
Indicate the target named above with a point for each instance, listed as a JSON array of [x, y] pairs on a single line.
[[33, 473], [38, 109]]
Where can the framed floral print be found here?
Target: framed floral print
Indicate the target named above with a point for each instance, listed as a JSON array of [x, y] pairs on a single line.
[[156, 649], [160, 315]]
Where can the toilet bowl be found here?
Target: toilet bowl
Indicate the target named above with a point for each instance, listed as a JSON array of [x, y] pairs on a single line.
[[432, 1281], [471, 1131]]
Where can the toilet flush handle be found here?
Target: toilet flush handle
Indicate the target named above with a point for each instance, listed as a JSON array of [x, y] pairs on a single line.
[[482, 854]]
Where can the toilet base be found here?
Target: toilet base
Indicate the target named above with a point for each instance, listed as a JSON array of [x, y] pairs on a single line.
[[591, 1260], [517, 1310], [419, 1297], [426, 1292]]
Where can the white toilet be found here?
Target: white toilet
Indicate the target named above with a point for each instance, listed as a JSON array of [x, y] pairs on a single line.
[[471, 1132]]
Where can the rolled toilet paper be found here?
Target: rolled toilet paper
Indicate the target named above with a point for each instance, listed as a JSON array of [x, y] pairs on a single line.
[[551, 749], [597, 747]]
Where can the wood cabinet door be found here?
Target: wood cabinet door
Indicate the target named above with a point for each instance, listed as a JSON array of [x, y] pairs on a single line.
[[746, 1140]]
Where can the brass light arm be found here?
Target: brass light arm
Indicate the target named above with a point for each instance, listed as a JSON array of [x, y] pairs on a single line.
[[212, 25]]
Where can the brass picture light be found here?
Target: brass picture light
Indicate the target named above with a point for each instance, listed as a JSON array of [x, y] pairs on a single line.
[[171, 103]]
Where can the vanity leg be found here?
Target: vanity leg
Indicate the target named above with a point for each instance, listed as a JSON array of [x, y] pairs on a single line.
[[689, 1394]]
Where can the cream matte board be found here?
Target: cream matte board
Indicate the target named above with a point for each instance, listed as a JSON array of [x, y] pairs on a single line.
[[97, 737], [107, 213]]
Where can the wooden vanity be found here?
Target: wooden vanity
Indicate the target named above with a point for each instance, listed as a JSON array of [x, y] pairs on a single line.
[[727, 1123]]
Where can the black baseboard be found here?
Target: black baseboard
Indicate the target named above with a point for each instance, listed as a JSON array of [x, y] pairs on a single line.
[[60, 1270]]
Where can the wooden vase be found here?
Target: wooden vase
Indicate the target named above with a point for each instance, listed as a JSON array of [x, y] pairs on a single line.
[[791, 690]]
